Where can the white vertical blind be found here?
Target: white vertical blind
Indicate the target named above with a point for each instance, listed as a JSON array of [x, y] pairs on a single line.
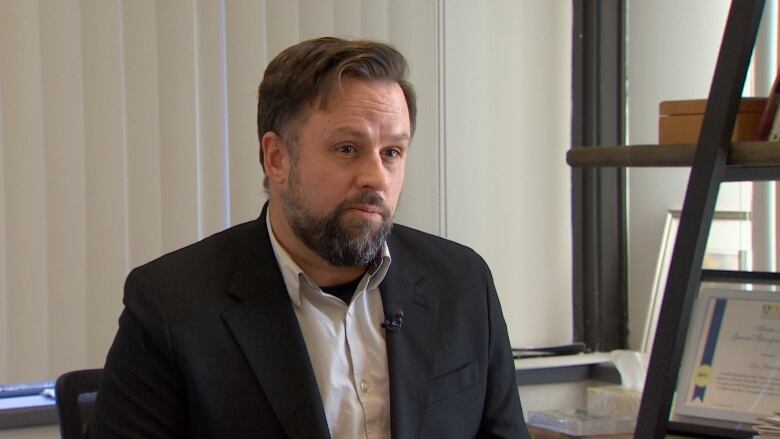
[[106, 172], [127, 129], [4, 302], [211, 123], [178, 74], [141, 96], [25, 186], [246, 55], [63, 123]]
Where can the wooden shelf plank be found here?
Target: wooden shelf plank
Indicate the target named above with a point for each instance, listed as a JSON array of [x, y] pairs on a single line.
[[740, 154]]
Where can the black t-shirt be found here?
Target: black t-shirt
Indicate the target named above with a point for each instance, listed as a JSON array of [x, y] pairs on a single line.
[[343, 291]]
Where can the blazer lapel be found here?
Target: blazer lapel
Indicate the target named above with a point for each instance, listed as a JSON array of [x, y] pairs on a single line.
[[410, 349], [264, 324]]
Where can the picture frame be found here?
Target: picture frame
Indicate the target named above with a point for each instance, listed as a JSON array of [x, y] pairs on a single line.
[[730, 368], [728, 248]]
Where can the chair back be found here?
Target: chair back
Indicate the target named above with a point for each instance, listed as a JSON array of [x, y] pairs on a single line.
[[75, 395]]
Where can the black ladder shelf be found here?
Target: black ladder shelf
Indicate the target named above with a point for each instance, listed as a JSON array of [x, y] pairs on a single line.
[[711, 165]]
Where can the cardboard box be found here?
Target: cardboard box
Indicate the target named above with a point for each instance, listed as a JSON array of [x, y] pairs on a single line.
[[680, 121]]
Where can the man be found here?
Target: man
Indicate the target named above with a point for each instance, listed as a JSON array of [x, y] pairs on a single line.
[[320, 319]]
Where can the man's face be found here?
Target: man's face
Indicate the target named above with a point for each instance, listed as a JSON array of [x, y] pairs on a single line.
[[347, 170]]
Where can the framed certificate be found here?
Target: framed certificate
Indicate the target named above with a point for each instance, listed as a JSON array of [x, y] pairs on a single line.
[[731, 365], [728, 248]]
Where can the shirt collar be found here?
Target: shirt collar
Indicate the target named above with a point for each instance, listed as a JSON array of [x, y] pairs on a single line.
[[293, 275]]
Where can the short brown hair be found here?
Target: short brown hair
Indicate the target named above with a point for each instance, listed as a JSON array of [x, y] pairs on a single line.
[[313, 69]]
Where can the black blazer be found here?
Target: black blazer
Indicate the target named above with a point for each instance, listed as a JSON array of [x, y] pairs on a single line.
[[209, 346]]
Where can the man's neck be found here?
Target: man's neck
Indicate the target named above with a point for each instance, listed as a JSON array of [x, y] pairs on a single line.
[[319, 270]]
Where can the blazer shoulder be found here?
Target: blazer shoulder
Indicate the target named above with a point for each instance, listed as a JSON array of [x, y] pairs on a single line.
[[208, 255], [422, 245]]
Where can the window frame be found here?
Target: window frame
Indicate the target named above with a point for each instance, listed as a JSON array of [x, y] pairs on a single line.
[[599, 226]]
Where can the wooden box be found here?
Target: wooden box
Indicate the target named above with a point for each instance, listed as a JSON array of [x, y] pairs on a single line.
[[680, 121]]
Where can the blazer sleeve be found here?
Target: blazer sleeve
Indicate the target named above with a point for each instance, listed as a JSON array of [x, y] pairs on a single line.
[[141, 394], [503, 414]]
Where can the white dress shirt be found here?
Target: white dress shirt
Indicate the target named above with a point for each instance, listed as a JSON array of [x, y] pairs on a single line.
[[346, 345]]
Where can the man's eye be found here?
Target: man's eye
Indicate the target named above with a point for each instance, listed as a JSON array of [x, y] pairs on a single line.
[[393, 153], [347, 149]]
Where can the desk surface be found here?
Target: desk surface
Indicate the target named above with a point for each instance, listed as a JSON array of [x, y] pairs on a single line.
[[566, 369]]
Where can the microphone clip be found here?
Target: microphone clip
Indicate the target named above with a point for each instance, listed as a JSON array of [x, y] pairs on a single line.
[[395, 324]]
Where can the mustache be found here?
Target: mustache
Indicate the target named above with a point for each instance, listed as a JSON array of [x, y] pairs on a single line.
[[370, 199]]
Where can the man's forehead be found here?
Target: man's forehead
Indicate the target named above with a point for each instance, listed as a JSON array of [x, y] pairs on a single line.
[[346, 88], [369, 96], [397, 135]]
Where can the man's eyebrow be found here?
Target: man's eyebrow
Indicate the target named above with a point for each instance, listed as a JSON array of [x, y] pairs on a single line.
[[352, 132], [347, 131], [400, 137]]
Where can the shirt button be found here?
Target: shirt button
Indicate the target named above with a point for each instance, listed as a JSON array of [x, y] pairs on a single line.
[[363, 386]]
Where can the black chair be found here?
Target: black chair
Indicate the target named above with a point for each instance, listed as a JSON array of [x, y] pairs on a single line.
[[75, 395]]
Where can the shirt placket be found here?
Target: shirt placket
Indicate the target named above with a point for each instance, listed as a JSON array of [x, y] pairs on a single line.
[[364, 388], [338, 361]]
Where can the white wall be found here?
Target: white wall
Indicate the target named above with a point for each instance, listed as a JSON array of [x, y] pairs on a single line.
[[127, 129], [672, 50], [507, 114]]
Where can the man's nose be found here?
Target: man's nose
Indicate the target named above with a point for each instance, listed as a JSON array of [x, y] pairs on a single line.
[[372, 173]]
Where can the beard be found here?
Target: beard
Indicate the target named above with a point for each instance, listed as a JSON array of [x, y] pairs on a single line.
[[340, 241]]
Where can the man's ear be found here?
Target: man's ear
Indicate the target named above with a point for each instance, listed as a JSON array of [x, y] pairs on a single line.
[[275, 157]]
